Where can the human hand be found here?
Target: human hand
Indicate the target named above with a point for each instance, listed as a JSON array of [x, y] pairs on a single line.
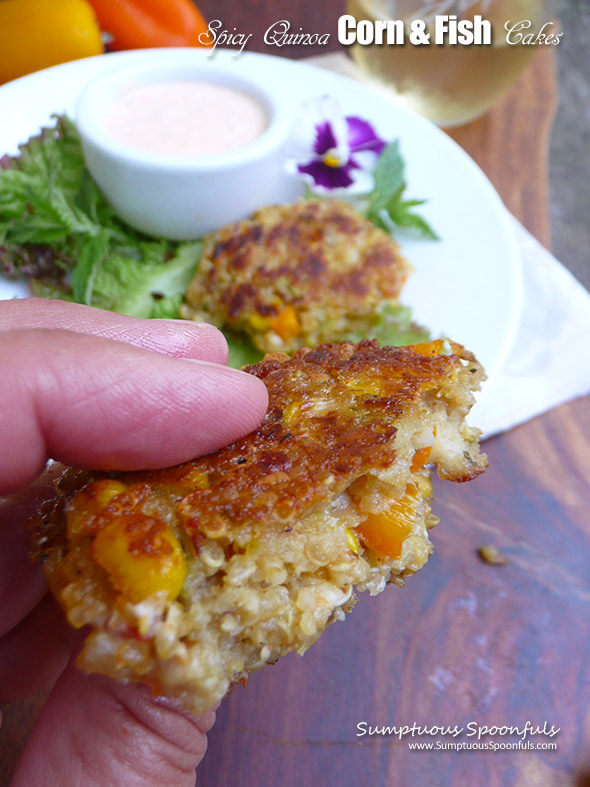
[[101, 391]]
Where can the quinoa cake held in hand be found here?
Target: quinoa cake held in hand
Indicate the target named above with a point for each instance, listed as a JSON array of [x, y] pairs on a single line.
[[296, 275], [190, 578]]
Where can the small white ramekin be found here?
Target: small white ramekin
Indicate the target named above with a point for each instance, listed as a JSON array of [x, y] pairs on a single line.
[[183, 198]]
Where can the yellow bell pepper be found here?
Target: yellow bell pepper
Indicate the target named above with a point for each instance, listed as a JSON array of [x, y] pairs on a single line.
[[36, 34]]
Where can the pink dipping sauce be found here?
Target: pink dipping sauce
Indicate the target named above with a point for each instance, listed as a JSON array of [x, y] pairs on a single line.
[[185, 119]]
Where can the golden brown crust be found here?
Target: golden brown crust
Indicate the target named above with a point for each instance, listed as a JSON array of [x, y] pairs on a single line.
[[321, 258], [332, 414]]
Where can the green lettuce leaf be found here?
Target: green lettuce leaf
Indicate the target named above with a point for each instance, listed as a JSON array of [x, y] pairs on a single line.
[[394, 326], [241, 350], [143, 287], [54, 220]]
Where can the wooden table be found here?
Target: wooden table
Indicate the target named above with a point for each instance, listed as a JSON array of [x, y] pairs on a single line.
[[464, 641]]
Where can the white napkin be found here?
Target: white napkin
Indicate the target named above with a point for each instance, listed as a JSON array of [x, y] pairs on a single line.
[[550, 360], [549, 363]]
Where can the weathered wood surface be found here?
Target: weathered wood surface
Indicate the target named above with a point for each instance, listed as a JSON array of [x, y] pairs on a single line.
[[464, 641]]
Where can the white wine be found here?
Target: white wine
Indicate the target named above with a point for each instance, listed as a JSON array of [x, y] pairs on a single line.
[[449, 84]]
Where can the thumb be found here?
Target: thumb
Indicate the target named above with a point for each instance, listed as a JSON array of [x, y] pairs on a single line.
[[95, 732]]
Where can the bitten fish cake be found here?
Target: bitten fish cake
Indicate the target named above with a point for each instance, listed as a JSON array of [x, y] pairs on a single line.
[[296, 275], [192, 577]]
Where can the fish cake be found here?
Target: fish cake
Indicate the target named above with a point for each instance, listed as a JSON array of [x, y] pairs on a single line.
[[297, 275], [192, 577]]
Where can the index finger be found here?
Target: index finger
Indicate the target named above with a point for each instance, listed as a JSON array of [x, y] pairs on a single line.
[[101, 404]]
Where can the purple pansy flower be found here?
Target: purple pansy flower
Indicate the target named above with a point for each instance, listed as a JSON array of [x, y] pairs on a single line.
[[338, 150]]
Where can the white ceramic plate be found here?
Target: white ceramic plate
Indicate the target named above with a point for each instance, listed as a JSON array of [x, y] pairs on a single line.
[[467, 286]]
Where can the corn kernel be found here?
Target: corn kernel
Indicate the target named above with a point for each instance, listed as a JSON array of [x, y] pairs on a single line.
[[107, 489], [88, 502], [142, 556], [352, 540], [258, 322], [424, 485], [196, 479], [291, 413]]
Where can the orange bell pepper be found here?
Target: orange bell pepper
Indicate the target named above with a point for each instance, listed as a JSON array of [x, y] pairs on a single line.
[[421, 456], [141, 24], [286, 324], [36, 34], [387, 531]]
